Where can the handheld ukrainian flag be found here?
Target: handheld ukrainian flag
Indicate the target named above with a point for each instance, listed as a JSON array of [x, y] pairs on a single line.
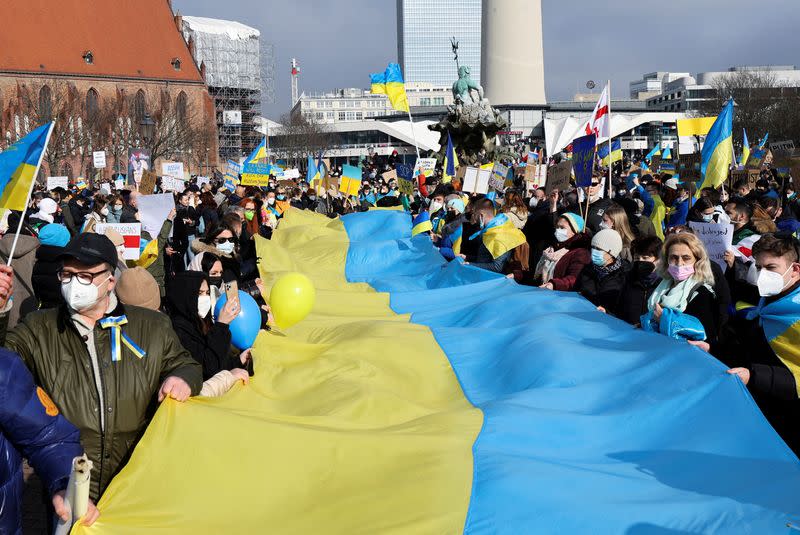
[[450, 161], [259, 154], [763, 141], [667, 154], [745, 149], [351, 180], [378, 83], [313, 171], [421, 223], [396, 87], [655, 152], [615, 155], [717, 154], [19, 164]]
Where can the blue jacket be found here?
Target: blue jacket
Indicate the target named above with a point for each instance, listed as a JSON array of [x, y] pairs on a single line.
[[680, 209], [30, 426]]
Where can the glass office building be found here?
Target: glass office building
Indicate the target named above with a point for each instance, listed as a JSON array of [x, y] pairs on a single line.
[[424, 29]]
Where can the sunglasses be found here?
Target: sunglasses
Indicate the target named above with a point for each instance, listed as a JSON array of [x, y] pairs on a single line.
[[224, 240]]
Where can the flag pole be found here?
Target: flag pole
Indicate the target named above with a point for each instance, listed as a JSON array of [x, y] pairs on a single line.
[[610, 159], [413, 135], [27, 199]]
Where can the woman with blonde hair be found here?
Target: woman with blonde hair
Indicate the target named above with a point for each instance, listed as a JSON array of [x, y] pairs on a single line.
[[683, 305], [615, 218]]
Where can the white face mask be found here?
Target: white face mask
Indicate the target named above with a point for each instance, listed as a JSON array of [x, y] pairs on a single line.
[[603, 225], [104, 211], [226, 247], [436, 206], [203, 305], [534, 202], [770, 283], [271, 201], [561, 235], [79, 296]]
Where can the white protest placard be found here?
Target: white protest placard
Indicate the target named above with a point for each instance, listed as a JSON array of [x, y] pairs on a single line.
[[173, 169], [482, 185], [425, 166], [105, 188], [169, 183], [535, 176], [54, 182], [470, 180], [119, 184], [716, 237], [99, 157], [153, 211], [131, 233], [201, 180], [291, 173]]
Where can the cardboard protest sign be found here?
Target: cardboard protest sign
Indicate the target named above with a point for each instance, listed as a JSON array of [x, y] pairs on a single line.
[[249, 179], [535, 176], [689, 167], [389, 175], [153, 211], [498, 177], [655, 163], [131, 233], [99, 159], [147, 184], [202, 180], [558, 177], [54, 182], [717, 238]]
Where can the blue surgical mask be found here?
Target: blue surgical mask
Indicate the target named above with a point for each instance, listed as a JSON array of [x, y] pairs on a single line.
[[281, 197], [708, 218], [598, 257]]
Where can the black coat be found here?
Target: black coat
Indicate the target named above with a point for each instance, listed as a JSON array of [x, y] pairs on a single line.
[[44, 279], [771, 383], [639, 285], [539, 231], [128, 214], [595, 214], [212, 349], [603, 292]]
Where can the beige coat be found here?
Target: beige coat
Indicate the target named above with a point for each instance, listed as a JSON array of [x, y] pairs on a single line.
[[24, 300]]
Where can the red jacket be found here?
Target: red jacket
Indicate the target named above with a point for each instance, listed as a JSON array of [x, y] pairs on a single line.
[[570, 265]]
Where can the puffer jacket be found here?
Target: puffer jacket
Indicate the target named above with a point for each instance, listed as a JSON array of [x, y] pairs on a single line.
[[54, 351], [30, 426]]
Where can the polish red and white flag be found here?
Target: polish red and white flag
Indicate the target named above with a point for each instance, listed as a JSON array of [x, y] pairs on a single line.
[[600, 122]]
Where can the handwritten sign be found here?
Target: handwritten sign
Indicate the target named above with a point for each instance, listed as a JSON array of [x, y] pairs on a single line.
[[535, 176], [716, 237], [54, 182], [173, 169], [498, 178], [558, 177], [148, 183], [406, 175], [583, 160], [782, 146], [99, 159], [388, 176]]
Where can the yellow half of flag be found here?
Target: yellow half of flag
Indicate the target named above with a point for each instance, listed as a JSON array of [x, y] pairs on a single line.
[[695, 127]]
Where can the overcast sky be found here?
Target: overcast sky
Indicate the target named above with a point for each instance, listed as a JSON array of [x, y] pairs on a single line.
[[339, 43]]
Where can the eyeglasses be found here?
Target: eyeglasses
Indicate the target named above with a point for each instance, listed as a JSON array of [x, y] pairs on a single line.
[[84, 277], [224, 240]]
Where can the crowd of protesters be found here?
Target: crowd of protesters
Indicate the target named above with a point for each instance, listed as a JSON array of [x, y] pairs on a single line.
[[99, 339]]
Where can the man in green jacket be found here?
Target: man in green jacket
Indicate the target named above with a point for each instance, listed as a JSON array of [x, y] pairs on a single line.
[[101, 362]]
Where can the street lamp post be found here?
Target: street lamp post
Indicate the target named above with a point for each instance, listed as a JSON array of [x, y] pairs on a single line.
[[147, 128]]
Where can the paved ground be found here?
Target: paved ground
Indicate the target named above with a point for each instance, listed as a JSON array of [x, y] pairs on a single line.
[[34, 514]]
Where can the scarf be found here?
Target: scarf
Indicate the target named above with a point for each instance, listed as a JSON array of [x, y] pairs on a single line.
[[677, 297], [605, 271], [547, 263], [43, 216]]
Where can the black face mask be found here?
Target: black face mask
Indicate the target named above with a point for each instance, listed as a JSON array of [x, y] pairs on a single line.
[[215, 281], [644, 269]]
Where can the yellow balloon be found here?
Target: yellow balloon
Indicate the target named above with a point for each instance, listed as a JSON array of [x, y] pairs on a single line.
[[291, 299]]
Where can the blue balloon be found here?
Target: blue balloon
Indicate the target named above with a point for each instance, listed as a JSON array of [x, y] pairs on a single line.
[[245, 326]]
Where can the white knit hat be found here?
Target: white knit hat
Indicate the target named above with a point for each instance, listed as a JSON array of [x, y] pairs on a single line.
[[608, 240]]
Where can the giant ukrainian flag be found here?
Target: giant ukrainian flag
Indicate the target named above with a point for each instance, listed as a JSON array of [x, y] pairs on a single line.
[[18, 166], [425, 397]]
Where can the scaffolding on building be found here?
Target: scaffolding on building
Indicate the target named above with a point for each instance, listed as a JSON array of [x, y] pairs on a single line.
[[238, 75]]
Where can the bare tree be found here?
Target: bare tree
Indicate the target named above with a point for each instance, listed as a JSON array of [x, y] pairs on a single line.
[[299, 138], [763, 104]]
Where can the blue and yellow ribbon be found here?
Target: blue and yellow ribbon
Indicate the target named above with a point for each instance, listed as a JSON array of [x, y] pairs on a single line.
[[118, 337]]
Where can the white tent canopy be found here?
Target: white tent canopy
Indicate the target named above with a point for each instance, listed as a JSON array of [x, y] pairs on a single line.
[[558, 133]]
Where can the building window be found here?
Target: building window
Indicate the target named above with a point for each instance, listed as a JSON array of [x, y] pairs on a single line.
[[330, 115], [425, 101], [139, 107], [91, 104], [45, 103], [180, 107], [342, 115], [438, 101], [320, 115]]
